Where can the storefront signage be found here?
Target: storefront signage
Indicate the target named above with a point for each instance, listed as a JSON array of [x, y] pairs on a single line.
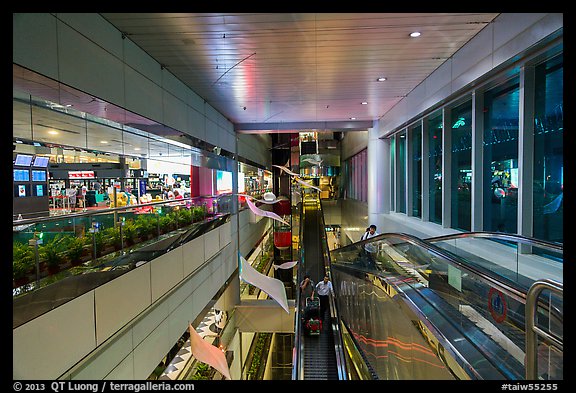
[[81, 174]]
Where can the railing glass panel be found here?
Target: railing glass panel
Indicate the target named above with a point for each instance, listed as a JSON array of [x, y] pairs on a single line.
[[59, 258]]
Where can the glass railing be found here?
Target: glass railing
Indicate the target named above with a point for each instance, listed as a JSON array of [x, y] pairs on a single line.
[[56, 259], [520, 259], [478, 316]]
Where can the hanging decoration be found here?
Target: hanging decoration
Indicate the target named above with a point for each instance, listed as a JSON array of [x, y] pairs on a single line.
[[285, 265], [272, 286], [207, 353], [313, 161], [306, 184], [288, 171], [264, 213]]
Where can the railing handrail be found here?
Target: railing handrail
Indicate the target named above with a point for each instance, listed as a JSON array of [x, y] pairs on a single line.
[[557, 247], [297, 363], [532, 331], [35, 220]]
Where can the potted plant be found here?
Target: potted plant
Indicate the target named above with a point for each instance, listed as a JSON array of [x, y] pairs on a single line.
[[167, 223], [51, 252], [130, 232], [22, 263], [74, 249], [112, 237]]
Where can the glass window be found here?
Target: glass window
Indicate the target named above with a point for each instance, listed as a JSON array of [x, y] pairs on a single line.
[[461, 121], [356, 177], [401, 173], [548, 151], [416, 143], [501, 115], [435, 168]]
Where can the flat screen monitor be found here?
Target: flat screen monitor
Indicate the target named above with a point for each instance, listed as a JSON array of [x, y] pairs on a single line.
[[23, 160], [40, 161], [21, 175], [39, 176], [40, 190]]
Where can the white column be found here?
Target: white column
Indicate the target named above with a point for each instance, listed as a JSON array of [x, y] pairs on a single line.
[[526, 154], [446, 169], [425, 184], [477, 202], [378, 177]]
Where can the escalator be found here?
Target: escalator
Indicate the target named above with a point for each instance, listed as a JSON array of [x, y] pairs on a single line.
[[423, 312], [317, 356]]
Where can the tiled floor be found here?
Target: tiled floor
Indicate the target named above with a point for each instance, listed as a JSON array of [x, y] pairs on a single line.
[[208, 331]]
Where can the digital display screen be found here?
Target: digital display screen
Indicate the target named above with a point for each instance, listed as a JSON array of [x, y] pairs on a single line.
[[40, 161], [38, 175], [39, 190], [21, 190], [23, 160], [21, 175], [223, 181]]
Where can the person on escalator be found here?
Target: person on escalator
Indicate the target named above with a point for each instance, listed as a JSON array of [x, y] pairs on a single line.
[[369, 250], [306, 289], [323, 290]]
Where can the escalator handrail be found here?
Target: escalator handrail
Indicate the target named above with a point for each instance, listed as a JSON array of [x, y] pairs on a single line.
[[557, 247], [507, 288], [297, 364]]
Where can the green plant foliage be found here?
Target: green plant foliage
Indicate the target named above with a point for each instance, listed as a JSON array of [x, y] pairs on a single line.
[[146, 224], [74, 247], [199, 212], [130, 231], [203, 371], [53, 251], [22, 260], [258, 363]]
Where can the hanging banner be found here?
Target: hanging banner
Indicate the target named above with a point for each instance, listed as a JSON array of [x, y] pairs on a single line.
[[286, 265], [263, 213], [288, 171], [272, 286], [207, 353], [306, 184]]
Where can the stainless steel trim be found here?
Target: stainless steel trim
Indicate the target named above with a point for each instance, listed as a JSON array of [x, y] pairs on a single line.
[[532, 331]]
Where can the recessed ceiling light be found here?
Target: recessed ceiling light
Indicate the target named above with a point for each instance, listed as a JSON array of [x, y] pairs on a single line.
[[52, 132], [381, 79], [103, 141], [352, 118], [364, 103], [415, 34], [68, 105], [136, 148]]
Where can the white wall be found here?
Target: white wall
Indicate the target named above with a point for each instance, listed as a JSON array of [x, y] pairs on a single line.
[[132, 320], [256, 147], [353, 143]]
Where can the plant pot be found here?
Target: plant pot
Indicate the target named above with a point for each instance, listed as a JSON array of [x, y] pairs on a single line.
[[53, 269], [18, 282]]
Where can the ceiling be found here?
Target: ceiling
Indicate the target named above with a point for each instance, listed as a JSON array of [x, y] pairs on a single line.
[[265, 71]]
